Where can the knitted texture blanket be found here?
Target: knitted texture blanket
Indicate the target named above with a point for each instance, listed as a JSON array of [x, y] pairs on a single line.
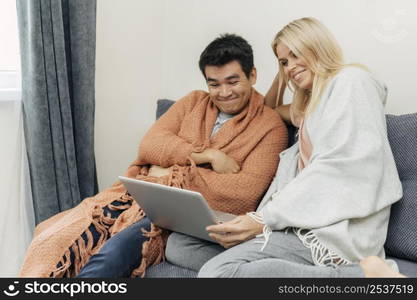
[[339, 204], [254, 138]]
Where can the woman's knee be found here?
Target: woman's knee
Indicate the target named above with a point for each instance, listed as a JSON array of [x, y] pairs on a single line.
[[190, 252], [173, 249], [216, 268]]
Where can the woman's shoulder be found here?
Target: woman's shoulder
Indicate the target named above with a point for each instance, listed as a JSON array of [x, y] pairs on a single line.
[[352, 73], [353, 86], [355, 77]]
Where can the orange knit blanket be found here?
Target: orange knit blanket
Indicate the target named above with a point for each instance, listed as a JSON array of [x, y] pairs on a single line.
[[254, 138]]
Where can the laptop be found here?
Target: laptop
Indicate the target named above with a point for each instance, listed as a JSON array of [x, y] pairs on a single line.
[[175, 209]]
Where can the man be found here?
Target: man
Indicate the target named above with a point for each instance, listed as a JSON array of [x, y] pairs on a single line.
[[223, 144]]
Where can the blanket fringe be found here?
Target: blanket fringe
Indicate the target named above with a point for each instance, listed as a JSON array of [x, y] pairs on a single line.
[[63, 266], [321, 255], [180, 177], [153, 250], [84, 247]]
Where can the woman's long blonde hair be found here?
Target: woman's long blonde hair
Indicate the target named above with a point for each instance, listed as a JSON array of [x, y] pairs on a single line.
[[309, 39]]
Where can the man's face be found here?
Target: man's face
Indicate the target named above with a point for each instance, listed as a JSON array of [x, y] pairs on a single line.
[[229, 88]]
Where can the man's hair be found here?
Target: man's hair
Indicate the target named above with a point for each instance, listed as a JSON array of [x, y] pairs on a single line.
[[226, 48]]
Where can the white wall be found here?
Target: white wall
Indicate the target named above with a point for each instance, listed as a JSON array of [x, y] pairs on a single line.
[[128, 80], [149, 49], [9, 47]]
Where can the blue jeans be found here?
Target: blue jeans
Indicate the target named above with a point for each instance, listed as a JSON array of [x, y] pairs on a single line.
[[120, 255]]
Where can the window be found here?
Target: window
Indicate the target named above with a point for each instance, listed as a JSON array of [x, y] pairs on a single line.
[[9, 52], [17, 220]]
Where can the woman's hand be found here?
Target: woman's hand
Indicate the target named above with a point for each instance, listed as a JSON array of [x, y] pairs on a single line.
[[158, 171], [236, 231], [220, 162]]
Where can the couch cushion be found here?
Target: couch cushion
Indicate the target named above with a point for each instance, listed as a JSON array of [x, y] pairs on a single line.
[[406, 267], [402, 231], [162, 105], [167, 270]]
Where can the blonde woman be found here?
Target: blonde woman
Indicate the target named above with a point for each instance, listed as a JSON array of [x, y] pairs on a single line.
[[326, 213]]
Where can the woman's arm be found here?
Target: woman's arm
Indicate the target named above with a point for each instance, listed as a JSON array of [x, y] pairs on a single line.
[[284, 112], [274, 96]]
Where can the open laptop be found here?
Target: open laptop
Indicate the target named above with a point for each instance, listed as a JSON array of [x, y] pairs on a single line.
[[175, 209]]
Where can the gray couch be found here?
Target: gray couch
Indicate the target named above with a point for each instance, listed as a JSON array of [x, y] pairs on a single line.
[[401, 243]]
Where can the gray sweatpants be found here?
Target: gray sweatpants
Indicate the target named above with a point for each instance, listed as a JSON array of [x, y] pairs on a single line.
[[190, 252], [283, 256]]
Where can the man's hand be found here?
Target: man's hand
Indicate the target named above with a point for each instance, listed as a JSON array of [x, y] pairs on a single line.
[[236, 231], [220, 162], [158, 171]]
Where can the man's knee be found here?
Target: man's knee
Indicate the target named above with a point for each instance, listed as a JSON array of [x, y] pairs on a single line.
[[119, 255]]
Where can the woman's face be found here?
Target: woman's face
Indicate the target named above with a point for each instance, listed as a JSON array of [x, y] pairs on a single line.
[[294, 67]]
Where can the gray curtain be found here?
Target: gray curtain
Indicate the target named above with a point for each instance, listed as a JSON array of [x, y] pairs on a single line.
[[57, 40]]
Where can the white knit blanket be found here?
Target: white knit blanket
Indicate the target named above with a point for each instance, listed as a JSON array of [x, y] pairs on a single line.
[[339, 204]]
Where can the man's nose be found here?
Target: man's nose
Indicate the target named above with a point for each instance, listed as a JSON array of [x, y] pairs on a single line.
[[225, 91]]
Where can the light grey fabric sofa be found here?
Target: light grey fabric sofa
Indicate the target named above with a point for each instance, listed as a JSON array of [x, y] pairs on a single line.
[[401, 244]]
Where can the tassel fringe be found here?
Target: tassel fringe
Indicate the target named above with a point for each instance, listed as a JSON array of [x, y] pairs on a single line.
[[322, 256], [153, 250]]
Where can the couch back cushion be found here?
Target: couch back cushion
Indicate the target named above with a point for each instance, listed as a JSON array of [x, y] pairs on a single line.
[[402, 231], [162, 105]]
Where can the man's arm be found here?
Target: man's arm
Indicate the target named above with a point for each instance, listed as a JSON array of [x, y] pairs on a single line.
[[240, 192], [161, 145], [220, 162], [274, 98], [244, 227]]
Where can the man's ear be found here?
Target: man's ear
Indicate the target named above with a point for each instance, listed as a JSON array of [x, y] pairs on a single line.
[[253, 76]]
